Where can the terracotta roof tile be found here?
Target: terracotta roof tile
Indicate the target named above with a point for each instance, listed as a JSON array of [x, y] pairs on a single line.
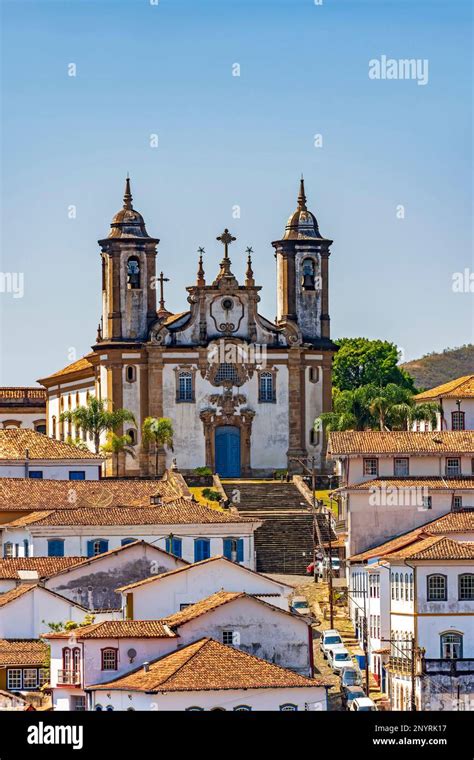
[[23, 493], [461, 521], [400, 442], [178, 512], [207, 665], [14, 442], [15, 593], [44, 566], [78, 366], [435, 547], [16, 652], [440, 484], [204, 605], [461, 387], [118, 629]]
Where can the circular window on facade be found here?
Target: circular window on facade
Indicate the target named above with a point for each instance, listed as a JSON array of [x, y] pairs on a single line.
[[227, 304]]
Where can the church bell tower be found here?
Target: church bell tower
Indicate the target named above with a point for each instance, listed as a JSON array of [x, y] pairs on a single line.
[[302, 257], [128, 276]]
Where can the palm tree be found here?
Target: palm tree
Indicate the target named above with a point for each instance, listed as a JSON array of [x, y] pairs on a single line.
[[95, 418], [425, 413], [116, 445], [158, 431]]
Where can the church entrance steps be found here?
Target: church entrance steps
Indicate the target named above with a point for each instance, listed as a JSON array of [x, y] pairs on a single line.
[[284, 543]]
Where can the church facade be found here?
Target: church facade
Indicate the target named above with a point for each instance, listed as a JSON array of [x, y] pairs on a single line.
[[242, 391]]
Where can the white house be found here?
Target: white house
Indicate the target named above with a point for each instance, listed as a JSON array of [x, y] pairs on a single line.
[[207, 675], [252, 625], [421, 584], [191, 530], [394, 481], [23, 407], [97, 652], [26, 453], [26, 611], [165, 593], [93, 581], [456, 401]]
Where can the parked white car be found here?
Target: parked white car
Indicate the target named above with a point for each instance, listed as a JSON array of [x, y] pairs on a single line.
[[363, 704], [339, 658], [329, 638]]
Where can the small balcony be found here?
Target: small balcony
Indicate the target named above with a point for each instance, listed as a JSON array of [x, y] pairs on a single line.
[[69, 677]]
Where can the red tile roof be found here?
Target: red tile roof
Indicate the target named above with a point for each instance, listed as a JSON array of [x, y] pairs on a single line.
[[14, 442], [118, 629], [80, 365], [461, 521], [207, 665], [436, 548], [461, 387], [353, 443], [433, 483], [18, 652], [44, 566], [178, 512], [23, 493]]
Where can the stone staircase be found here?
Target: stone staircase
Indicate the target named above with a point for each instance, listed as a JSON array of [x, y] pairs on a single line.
[[284, 543]]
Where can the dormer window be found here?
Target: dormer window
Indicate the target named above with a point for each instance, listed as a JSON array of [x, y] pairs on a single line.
[[133, 273]]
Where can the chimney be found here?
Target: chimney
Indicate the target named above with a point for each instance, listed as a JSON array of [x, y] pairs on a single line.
[[146, 667]]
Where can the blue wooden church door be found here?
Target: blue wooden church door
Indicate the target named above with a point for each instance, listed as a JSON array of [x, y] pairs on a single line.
[[227, 446]]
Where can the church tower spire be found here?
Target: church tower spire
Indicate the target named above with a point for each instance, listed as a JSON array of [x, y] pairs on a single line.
[[128, 275], [302, 274]]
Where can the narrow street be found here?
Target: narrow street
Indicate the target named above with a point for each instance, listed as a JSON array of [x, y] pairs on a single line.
[[318, 599]]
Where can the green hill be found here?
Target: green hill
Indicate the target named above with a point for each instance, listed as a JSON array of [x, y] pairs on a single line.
[[435, 369]]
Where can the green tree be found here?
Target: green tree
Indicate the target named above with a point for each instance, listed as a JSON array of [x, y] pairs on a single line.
[[116, 445], [159, 432], [360, 361], [70, 625], [96, 418]]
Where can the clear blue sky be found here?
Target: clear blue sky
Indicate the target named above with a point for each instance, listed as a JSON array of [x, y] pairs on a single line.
[[225, 141]]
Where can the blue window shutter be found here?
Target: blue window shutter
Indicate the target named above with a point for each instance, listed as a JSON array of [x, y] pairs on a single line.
[[104, 546], [240, 550], [197, 550], [228, 548], [55, 548], [177, 547], [206, 548], [90, 548]]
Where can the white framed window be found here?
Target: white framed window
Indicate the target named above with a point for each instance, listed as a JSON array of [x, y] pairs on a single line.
[[43, 676], [288, 707], [130, 373], [228, 637], [185, 387], [266, 388], [30, 678], [457, 502], [401, 467], [458, 421], [451, 646], [109, 659], [453, 466], [437, 588], [14, 679], [466, 587], [370, 466]]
